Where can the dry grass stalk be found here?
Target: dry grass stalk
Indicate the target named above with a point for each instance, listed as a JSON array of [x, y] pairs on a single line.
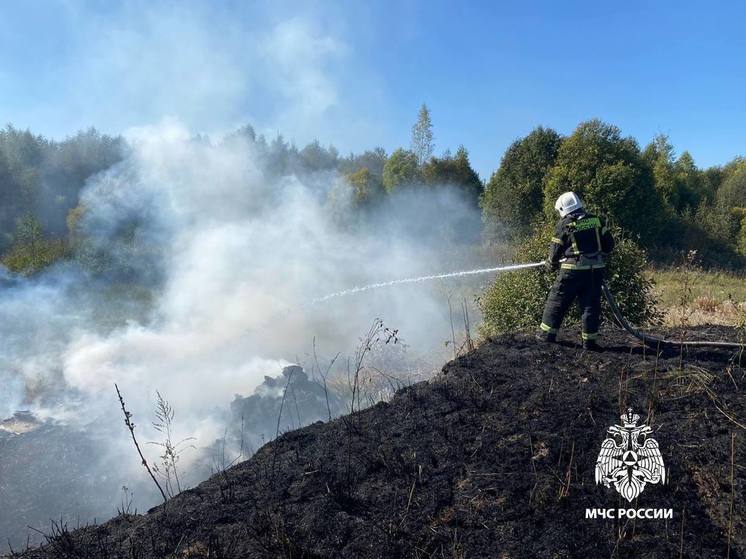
[[131, 426]]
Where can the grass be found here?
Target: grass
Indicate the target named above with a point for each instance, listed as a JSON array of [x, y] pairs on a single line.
[[705, 297]]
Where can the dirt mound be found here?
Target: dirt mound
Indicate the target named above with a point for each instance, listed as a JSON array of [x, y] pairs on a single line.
[[493, 458]]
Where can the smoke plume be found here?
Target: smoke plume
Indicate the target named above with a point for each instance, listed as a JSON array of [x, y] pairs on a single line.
[[196, 264], [196, 276]]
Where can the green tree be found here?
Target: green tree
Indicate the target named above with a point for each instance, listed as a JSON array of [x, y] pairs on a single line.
[[514, 194], [68, 167], [731, 167], [278, 157], [740, 214], [31, 251], [22, 156], [680, 184], [73, 221], [453, 170], [314, 157], [659, 154], [366, 187], [713, 177], [422, 136], [690, 183], [712, 230], [29, 231], [401, 169], [608, 171], [373, 160], [732, 193], [43, 177]]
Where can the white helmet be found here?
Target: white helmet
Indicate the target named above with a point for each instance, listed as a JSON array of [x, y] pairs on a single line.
[[567, 203]]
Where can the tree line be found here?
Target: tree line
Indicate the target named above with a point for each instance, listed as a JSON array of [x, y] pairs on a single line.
[[40, 184], [664, 200], [373, 174]]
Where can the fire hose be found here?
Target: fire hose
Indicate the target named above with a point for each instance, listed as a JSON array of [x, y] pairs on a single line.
[[655, 341]]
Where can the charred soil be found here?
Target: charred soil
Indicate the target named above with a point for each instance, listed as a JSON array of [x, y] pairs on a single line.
[[494, 457]]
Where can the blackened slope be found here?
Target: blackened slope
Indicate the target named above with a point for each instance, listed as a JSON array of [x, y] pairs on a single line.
[[494, 458]]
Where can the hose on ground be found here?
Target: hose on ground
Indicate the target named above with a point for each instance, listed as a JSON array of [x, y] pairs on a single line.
[[654, 341]]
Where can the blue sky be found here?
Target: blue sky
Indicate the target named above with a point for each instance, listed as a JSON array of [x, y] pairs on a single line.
[[355, 73]]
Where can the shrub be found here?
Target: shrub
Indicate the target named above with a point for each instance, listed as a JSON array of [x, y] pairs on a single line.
[[515, 301]]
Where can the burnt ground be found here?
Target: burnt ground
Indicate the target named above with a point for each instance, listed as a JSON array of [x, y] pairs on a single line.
[[492, 458]]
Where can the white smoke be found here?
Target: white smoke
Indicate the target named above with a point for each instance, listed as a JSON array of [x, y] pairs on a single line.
[[212, 287], [241, 256]]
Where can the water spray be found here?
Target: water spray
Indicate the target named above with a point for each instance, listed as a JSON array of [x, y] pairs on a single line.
[[353, 290], [616, 312]]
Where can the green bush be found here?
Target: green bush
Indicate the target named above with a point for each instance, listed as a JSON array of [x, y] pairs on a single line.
[[515, 301]]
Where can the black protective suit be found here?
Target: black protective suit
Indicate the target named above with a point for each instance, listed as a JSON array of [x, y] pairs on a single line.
[[578, 249]]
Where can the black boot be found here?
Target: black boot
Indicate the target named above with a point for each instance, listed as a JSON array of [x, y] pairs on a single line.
[[547, 337], [591, 345]]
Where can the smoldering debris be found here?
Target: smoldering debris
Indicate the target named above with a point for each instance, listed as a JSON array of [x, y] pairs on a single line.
[[284, 403]]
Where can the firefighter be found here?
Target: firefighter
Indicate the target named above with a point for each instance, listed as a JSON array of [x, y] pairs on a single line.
[[579, 247]]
